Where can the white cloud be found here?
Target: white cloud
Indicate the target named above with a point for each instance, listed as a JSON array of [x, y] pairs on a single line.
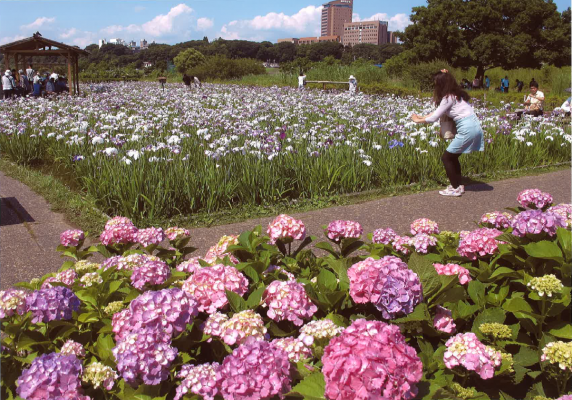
[[38, 23], [69, 33], [204, 23], [10, 39], [304, 23], [396, 23]]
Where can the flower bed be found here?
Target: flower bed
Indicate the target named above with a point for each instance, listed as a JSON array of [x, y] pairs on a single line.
[[472, 315], [254, 145]]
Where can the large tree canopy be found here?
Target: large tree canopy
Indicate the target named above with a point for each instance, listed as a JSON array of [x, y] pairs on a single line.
[[489, 33]]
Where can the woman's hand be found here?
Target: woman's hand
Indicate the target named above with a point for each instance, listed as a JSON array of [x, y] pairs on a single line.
[[416, 118]]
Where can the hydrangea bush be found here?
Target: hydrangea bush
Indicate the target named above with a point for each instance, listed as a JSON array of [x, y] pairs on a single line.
[[425, 314]]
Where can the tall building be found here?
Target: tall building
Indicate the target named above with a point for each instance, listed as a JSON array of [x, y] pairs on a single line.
[[373, 32], [143, 44], [117, 41], [102, 42], [334, 15], [392, 38]]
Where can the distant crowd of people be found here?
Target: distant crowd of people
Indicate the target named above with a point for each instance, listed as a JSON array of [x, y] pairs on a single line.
[[503, 86], [31, 82]]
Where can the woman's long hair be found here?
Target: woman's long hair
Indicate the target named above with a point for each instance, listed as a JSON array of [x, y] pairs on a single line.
[[445, 85]]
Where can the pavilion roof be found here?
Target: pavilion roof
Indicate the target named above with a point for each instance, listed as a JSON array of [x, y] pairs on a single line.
[[37, 44]]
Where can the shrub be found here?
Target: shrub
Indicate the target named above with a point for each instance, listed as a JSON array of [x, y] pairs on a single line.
[[223, 68], [188, 59]]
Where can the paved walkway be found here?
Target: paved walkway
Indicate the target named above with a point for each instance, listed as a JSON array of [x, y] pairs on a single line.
[[29, 232]]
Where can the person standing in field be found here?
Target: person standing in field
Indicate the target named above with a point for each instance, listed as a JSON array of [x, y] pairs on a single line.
[[353, 84], [24, 82], [198, 83], [301, 81], [7, 86], [505, 84], [453, 101], [187, 81], [30, 73], [487, 82]]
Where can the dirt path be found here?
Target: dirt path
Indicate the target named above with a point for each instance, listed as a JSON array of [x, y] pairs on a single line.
[[29, 231]]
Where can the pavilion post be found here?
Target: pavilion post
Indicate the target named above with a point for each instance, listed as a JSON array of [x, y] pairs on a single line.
[[16, 63], [77, 73], [69, 58], [6, 61]]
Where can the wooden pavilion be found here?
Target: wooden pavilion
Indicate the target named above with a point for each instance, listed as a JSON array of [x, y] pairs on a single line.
[[38, 46]]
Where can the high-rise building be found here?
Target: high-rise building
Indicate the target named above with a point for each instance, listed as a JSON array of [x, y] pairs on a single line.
[[392, 38], [373, 32], [117, 41], [143, 44], [102, 42], [334, 15]]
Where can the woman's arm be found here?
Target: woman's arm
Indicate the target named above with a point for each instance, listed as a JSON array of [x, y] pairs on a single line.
[[446, 103]]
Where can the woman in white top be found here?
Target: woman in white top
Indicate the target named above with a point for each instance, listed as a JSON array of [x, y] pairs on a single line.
[[453, 102], [353, 84], [301, 81]]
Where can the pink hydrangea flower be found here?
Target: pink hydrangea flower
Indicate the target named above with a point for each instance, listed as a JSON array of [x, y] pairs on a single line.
[[66, 277], [479, 243], [12, 301], [465, 349], [255, 370], [362, 276], [72, 348], [71, 237], [198, 379], [496, 219], [534, 198], [118, 233], [220, 250], [338, 230], [370, 359], [422, 242], [535, 222], [454, 269], [295, 348], [175, 233], [208, 286], [383, 236], [443, 320], [214, 324], [286, 227], [118, 221], [152, 272], [564, 210], [149, 236], [400, 242], [424, 225], [189, 266], [288, 301]]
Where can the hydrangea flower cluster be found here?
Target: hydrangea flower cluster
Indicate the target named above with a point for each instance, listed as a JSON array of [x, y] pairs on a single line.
[[370, 359], [220, 250], [72, 348], [71, 237], [214, 324], [288, 301], [118, 230], [149, 236], [400, 290], [558, 353], [443, 320], [547, 284], [295, 348], [99, 374], [383, 236], [169, 310], [90, 279], [284, 227], [400, 243], [241, 326], [454, 269], [338, 230], [495, 330], [113, 307], [496, 219], [362, 276], [424, 225], [129, 262], [423, 241], [321, 329], [208, 286], [535, 222], [66, 277], [466, 350], [176, 233], [479, 243], [460, 391], [12, 301], [530, 198], [52, 304], [198, 379], [144, 356], [189, 266], [152, 273], [564, 210], [53, 376], [83, 266], [255, 370]]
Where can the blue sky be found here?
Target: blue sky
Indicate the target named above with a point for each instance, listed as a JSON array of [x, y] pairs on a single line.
[[82, 22]]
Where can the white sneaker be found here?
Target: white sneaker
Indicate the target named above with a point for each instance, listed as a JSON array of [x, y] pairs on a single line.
[[451, 192], [462, 187]]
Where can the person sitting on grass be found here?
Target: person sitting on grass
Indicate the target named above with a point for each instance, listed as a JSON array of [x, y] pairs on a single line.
[[534, 102], [454, 102], [564, 108]]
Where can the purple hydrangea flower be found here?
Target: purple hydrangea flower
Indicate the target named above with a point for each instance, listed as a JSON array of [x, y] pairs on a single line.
[[535, 222], [400, 291], [52, 376], [52, 304], [384, 236], [150, 236], [422, 242]]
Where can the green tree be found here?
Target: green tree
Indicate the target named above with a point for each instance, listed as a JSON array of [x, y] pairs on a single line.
[[488, 33], [188, 59]]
